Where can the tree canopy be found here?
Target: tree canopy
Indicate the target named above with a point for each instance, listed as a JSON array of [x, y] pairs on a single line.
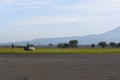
[[73, 43]]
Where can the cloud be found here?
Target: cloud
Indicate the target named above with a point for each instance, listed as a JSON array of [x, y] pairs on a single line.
[[54, 20], [109, 5], [98, 5], [25, 3], [73, 7], [113, 1], [6, 2]]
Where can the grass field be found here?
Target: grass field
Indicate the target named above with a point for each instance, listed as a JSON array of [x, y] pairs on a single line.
[[61, 51]]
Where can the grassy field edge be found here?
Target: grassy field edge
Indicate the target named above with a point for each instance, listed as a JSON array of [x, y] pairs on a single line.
[[61, 51]]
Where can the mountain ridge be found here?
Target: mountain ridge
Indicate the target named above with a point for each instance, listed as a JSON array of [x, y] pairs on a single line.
[[109, 36]]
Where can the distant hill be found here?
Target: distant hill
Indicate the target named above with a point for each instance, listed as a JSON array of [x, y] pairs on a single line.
[[109, 36]]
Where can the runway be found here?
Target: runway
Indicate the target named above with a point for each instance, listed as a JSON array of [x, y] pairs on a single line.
[[60, 67]]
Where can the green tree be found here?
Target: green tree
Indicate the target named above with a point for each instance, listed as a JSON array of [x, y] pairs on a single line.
[[92, 45], [112, 44], [102, 44], [118, 45], [65, 45], [60, 45], [51, 45], [73, 43]]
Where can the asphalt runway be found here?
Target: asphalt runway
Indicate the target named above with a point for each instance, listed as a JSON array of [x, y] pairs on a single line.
[[60, 67]]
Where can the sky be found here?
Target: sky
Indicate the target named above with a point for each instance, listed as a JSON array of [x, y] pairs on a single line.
[[33, 19]]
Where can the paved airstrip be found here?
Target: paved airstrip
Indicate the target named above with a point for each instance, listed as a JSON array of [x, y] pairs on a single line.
[[60, 67]]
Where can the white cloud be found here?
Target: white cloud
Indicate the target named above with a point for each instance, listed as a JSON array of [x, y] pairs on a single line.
[[113, 1], [109, 5], [25, 3], [54, 20], [7, 2], [74, 7], [33, 3], [98, 5]]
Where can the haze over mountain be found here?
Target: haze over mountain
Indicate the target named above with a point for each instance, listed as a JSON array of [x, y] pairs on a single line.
[[112, 35]]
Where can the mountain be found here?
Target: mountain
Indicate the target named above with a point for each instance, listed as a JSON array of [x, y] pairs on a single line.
[[110, 36]]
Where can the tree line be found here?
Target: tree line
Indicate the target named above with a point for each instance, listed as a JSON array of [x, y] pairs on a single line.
[[70, 44], [103, 44], [73, 44]]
